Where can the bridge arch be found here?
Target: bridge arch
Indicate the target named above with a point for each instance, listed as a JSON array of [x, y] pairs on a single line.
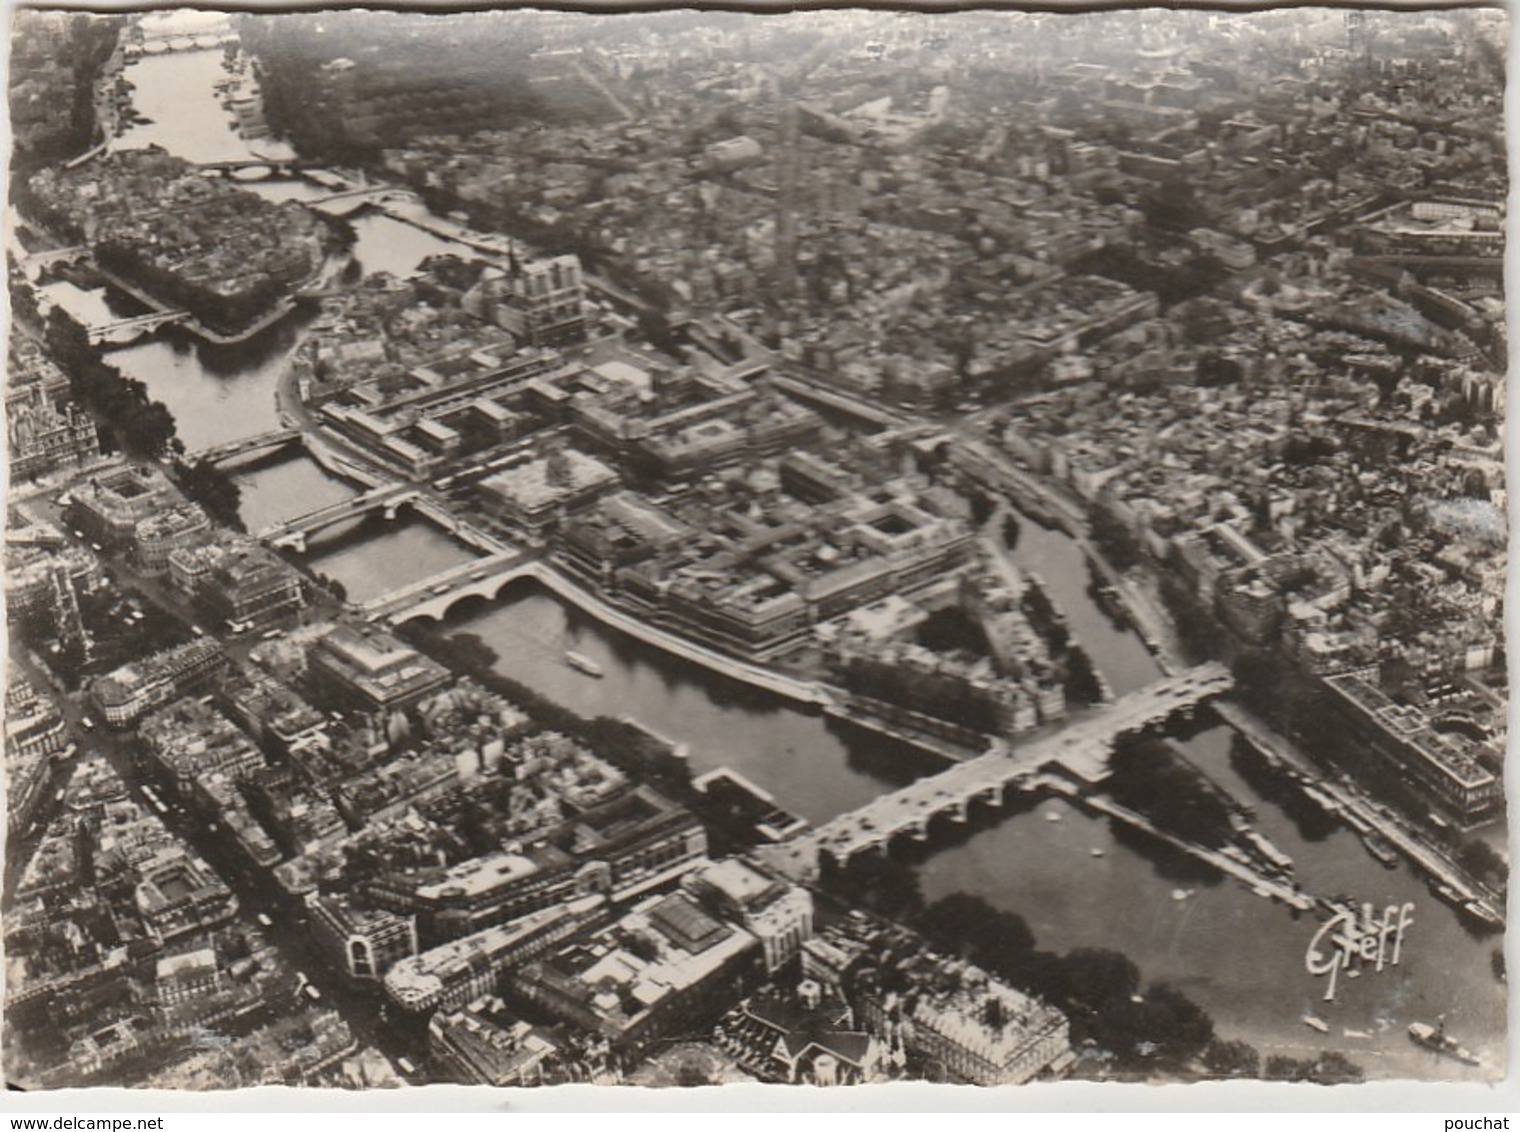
[[417, 613], [463, 598], [396, 507], [440, 607], [506, 582]]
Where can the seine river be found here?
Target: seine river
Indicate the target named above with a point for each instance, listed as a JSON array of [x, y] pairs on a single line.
[[1238, 955]]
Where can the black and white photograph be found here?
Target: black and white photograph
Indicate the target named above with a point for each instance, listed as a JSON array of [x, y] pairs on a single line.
[[837, 547]]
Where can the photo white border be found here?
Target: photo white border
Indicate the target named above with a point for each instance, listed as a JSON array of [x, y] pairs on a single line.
[[905, 1099]]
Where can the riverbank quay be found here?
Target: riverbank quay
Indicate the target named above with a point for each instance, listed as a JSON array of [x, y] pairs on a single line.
[[798, 691], [1348, 806], [1359, 812], [1258, 882]]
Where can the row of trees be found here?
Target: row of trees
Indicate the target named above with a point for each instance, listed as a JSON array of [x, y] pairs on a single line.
[[139, 425], [1483, 861], [1078, 674], [217, 492], [1149, 778], [1116, 1019], [1113, 539], [82, 49]]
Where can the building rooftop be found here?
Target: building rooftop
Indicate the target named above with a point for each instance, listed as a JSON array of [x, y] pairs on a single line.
[[418, 979], [550, 479]]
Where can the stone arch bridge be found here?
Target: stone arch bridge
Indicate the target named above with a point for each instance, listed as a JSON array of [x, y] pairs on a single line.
[[1078, 752]]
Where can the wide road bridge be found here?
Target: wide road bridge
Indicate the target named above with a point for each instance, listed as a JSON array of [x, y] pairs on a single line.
[[840, 402], [1080, 751], [433, 596], [247, 446], [345, 201], [124, 329], [293, 533], [258, 168], [34, 263], [1417, 264]]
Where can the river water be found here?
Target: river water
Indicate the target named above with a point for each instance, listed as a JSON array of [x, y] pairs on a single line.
[[1236, 954], [223, 393], [374, 556]]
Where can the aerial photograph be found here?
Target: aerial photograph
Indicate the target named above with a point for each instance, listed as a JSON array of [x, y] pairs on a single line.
[[679, 548]]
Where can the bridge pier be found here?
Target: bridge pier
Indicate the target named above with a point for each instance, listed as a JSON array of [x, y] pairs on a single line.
[[843, 856], [295, 541], [1061, 763]]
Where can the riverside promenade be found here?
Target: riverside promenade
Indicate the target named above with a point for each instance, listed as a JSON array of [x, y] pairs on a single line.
[[1358, 811], [426, 600]]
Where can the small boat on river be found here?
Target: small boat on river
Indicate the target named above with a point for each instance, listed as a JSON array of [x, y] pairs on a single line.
[[1436, 1039]]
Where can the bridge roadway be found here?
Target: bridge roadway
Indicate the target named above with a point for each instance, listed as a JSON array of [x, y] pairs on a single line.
[[231, 450], [142, 322], [1413, 262], [1081, 750], [347, 199], [34, 263], [834, 399], [293, 533], [277, 167], [479, 577]]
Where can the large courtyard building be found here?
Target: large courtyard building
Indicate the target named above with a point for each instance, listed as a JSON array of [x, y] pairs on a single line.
[[456, 972], [1445, 766], [538, 494], [107, 505], [663, 968], [365, 668]]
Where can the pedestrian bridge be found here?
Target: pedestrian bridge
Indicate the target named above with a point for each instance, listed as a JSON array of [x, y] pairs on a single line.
[[1079, 751]]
